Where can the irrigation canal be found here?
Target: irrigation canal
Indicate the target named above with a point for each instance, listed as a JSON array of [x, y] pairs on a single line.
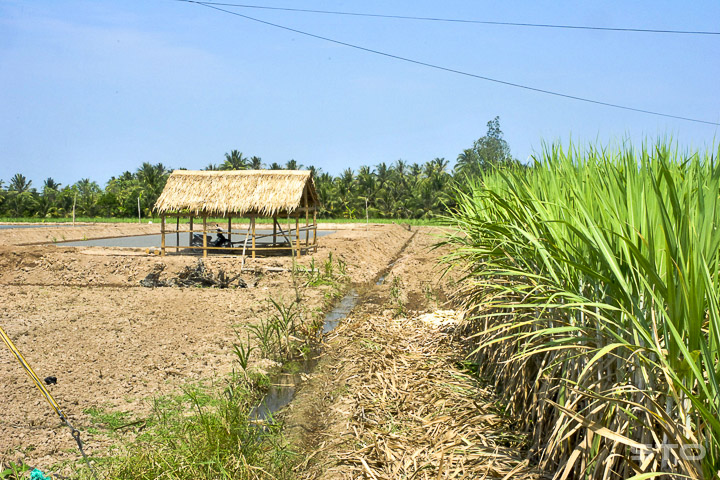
[[284, 385]]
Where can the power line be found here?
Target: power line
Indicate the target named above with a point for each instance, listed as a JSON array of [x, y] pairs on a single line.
[[459, 20], [451, 70]]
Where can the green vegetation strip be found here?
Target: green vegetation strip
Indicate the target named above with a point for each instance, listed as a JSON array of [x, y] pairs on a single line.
[[268, 221]]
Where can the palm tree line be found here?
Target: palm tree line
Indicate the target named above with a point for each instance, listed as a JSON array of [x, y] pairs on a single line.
[[399, 190]]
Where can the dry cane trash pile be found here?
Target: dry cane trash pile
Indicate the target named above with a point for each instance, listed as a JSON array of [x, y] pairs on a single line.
[[413, 412]]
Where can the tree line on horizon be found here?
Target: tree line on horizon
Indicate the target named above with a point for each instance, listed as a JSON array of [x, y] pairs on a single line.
[[398, 190]]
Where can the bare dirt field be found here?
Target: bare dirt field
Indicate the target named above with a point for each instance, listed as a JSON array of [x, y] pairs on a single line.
[[80, 314], [389, 398]]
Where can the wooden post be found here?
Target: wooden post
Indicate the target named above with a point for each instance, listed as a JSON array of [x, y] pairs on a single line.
[[290, 240], [252, 223], [230, 231], [177, 234], [315, 229], [191, 231], [204, 236], [297, 233], [274, 230], [307, 219], [162, 235], [247, 233]]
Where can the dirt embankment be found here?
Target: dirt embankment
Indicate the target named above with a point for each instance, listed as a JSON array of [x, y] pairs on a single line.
[[80, 315], [68, 232]]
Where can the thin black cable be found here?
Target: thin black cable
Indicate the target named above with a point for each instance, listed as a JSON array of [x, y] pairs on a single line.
[[460, 20], [459, 72]]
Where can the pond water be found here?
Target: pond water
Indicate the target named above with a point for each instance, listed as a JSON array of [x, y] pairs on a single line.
[[3, 227], [148, 241]]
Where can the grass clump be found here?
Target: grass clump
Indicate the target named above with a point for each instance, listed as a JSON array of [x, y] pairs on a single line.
[[281, 336], [203, 434], [396, 298], [14, 471], [108, 420], [328, 273]]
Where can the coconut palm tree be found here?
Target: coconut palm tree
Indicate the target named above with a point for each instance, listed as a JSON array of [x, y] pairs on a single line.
[[292, 164], [19, 183], [88, 194], [152, 179], [20, 196], [46, 204], [234, 161]]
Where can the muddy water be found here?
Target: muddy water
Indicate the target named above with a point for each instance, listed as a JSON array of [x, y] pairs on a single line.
[[385, 273], [342, 309], [284, 385], [282, 391]]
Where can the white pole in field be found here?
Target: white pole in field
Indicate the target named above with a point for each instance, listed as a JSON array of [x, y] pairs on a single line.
[[367, 217], [138, 209]]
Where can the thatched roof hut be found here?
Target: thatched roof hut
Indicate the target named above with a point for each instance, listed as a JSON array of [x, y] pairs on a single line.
[[265, 193], [241, 193]]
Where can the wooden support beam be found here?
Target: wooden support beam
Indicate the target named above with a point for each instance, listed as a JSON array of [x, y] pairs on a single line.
[[177, 235], [239, 249], [297, 234], [191, 231], [315, 230], [289, 235], [274, 229], [204, 234], [230, 229], [252, 222], [162, 235], [307, 217]]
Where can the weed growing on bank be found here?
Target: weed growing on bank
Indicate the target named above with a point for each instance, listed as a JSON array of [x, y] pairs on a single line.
[[203, 433]]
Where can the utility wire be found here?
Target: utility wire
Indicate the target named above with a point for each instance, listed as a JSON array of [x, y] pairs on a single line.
[[460, 20], [451, 70]]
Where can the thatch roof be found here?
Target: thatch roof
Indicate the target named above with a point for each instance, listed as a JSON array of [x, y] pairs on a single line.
[[236, 192]]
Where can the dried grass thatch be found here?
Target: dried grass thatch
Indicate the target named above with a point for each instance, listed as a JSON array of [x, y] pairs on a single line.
[[237, 192]]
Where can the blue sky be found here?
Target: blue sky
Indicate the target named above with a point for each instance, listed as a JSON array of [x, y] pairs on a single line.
[[91, 89]]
